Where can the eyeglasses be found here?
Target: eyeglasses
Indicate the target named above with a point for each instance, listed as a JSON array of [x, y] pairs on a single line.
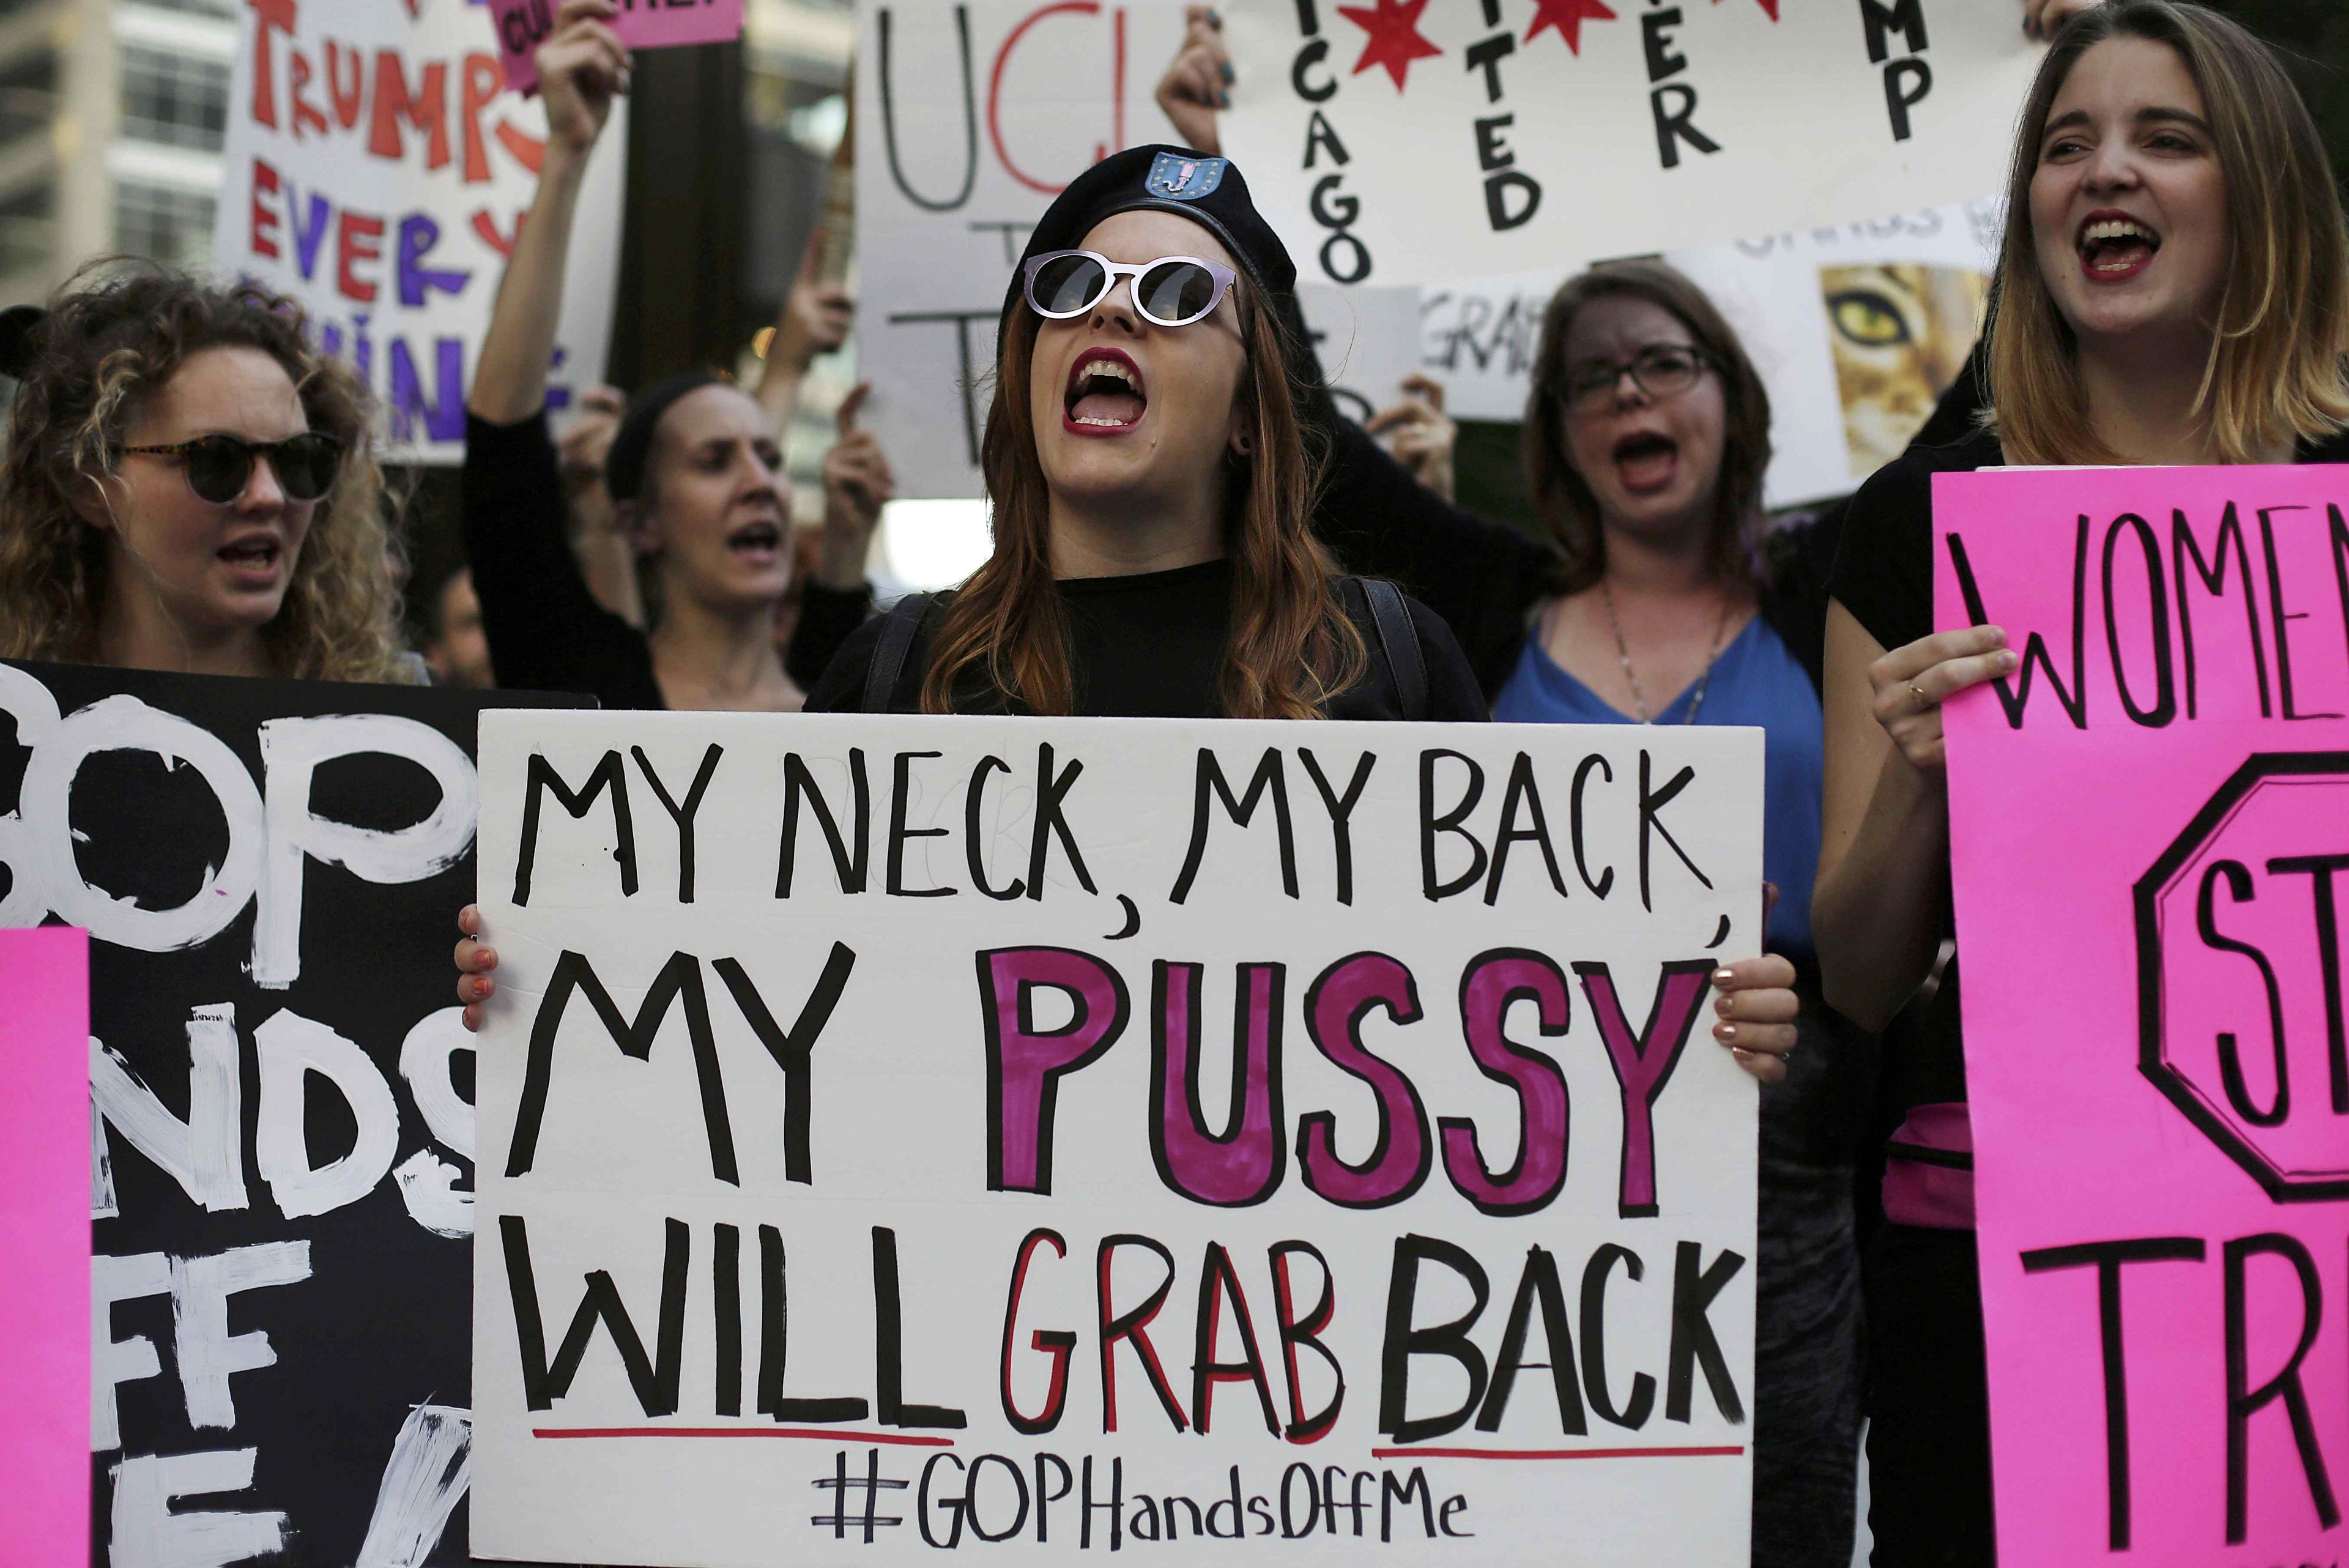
[[1661, 370], [1173, 291], [220, 466]]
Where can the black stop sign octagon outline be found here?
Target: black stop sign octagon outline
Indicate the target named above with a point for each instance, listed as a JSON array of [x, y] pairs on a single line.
[[2281, 1186]]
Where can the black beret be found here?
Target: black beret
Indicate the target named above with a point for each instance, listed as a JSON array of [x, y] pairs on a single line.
[[1209, 190], [632, 444]]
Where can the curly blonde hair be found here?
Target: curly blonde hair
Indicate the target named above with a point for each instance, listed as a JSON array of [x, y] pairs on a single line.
[[115, 334]]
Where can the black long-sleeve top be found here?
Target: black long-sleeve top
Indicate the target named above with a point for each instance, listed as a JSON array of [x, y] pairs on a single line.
[[1151, 646], [545, 629]]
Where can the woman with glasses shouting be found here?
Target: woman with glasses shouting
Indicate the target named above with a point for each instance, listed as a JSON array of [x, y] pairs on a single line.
[[191, 486], [1663, 597]]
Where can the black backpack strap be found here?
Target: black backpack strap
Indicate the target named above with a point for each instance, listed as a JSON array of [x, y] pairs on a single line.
[[1399, 641], [898, 630]]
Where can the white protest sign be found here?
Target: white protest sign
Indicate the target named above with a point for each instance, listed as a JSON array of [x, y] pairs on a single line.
[[1367, 341], [1856, 330], [1092, 1133], [971, 118], [1478, 336], [377, 169], [1398, 142]]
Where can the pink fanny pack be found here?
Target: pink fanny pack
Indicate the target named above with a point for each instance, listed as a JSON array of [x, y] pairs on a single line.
[[1928, 1171]]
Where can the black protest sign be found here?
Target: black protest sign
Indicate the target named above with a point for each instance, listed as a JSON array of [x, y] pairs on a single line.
[[282, 1125]]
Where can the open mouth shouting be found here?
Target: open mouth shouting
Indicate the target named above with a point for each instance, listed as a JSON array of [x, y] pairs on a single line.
[[1646, 461], [1105, 395], [2114, 246], [758, 544], [254, 560]]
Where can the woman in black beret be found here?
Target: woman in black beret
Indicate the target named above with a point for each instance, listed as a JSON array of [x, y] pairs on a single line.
[[1152, 493]]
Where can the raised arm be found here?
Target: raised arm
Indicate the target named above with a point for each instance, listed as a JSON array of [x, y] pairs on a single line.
[[1884, 853], [1198, 79], [815, 319], [582, 67]]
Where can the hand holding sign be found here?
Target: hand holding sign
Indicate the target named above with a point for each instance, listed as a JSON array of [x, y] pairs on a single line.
[[1197, 81], [523, 26], [1420, 434], [583, 66], [1911, 682]]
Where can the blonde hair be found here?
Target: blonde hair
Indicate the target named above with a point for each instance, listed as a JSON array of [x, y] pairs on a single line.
[[1292, 647], [115, 334], [2275, 372]]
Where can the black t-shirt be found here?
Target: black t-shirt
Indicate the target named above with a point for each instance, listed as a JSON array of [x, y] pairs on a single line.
[[1884, 576], [1151, 646], [546, 631]]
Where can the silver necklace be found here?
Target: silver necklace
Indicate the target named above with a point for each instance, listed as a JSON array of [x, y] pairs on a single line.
[[1623, 657]]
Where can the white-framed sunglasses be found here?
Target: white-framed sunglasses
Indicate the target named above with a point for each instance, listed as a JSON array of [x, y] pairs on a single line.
[[1173, 291]]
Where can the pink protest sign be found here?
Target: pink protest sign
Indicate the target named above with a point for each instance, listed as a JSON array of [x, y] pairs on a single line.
[[2150, 832], [523, 25], [44, 1242]]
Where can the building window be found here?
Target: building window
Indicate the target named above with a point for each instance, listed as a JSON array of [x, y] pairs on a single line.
[[174, 228], [174, 99]]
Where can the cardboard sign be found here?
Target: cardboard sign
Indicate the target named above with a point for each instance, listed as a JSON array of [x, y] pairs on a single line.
[[45, 1241], [972, 116], [1367, 341], [1397, 142], [377, 168], [1083, 1136], [274, 1123], [523, 25], [2149, 824], [1479, 336]]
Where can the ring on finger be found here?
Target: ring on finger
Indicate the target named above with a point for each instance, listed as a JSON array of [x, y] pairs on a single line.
[[1924, 699]]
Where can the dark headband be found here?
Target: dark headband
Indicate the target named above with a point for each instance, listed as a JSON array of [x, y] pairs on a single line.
[[632, 447]]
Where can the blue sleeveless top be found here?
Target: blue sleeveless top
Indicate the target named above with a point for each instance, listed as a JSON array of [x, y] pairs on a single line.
[[1755, 681]]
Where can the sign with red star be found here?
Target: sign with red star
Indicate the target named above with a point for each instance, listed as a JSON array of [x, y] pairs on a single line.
[[1395, 39], [1568, 16], [1769, 7]]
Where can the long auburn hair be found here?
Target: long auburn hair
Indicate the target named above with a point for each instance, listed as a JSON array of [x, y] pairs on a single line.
[[1563, 499], [1292, 647], [2276, 366]]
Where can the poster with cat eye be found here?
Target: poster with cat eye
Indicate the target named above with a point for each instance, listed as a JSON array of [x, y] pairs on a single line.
[[1856, 329], [280, 1133], [1400, 143], [2149, 840], [376, 168], [1288, 1142]]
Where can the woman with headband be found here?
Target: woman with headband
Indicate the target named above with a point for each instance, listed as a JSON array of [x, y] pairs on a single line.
[[695, 475]]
